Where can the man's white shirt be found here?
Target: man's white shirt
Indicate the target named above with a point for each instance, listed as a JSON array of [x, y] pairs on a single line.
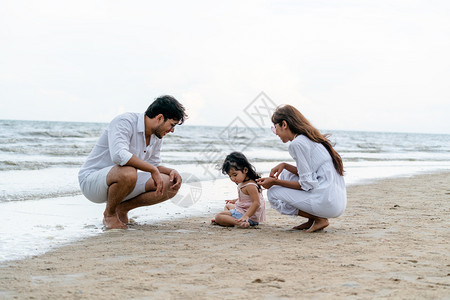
[[123, 138]]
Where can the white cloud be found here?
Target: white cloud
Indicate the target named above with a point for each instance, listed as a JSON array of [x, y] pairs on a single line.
[[345, 64]]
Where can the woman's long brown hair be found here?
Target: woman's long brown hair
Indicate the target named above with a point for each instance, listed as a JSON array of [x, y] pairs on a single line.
[[298, 124]]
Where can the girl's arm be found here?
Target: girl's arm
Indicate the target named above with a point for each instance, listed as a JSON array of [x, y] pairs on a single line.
[[252, 191], [231, 201]]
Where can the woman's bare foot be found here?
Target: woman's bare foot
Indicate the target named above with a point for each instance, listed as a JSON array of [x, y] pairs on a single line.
[[305, 225], [113, 222], [319, 223]]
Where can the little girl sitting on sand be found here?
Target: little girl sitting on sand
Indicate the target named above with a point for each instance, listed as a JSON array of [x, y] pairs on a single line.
[[249, 208]]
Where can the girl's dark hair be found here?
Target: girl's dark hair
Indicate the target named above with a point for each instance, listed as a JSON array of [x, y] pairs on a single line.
[[298, 124], [238, 161], [169, 107]]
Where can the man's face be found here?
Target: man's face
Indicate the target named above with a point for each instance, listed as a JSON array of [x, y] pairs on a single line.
[[166, 127]]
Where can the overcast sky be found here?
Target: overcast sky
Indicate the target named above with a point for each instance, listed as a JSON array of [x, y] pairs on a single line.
[[380, 65]]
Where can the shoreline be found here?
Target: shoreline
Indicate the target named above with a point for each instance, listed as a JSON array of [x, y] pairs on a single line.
[[390, 243]]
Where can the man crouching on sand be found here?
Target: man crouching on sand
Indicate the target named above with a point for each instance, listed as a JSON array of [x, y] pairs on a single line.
[[124, 167]]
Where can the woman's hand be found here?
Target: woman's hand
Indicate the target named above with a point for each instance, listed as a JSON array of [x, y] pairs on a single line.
[[267, 182], [231, 201], [276, 171]]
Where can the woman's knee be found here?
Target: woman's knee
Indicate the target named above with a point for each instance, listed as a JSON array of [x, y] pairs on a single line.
[[273, 192]]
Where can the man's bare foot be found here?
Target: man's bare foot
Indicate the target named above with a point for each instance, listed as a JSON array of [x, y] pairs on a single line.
[[319, 224], [113, 222], [123, 217], [305, 225]]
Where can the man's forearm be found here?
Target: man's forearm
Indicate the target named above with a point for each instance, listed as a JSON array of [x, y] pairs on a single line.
[[164, 170], [146, 167], [140, 164]]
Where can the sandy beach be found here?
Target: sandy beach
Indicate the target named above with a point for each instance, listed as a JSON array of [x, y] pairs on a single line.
[[391, 243]]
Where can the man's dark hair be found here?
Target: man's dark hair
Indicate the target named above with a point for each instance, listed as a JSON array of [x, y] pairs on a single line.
[[169, 107]]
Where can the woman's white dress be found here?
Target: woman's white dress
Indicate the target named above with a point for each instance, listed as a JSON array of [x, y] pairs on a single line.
[[323, 192]]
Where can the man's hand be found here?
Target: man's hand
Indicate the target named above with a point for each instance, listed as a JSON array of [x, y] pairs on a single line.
[[156, 176], [175, 179]]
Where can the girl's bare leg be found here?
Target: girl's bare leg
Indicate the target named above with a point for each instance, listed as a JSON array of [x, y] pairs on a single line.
[[229, 206], [225, 219]]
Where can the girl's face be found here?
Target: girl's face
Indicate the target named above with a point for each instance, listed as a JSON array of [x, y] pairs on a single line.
[[237, 176]]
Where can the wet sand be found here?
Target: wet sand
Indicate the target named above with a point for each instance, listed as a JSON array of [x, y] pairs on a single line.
[[391, 243]]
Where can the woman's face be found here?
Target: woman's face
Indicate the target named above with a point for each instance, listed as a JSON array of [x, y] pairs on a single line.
[[282, 130]]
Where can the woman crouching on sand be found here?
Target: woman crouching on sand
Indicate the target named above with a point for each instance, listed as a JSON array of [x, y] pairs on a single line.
[[315, 187]]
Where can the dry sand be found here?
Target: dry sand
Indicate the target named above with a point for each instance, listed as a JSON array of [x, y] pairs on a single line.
[[391, 243]]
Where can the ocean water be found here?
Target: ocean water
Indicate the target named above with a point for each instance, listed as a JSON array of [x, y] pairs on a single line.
[[42, 208]]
